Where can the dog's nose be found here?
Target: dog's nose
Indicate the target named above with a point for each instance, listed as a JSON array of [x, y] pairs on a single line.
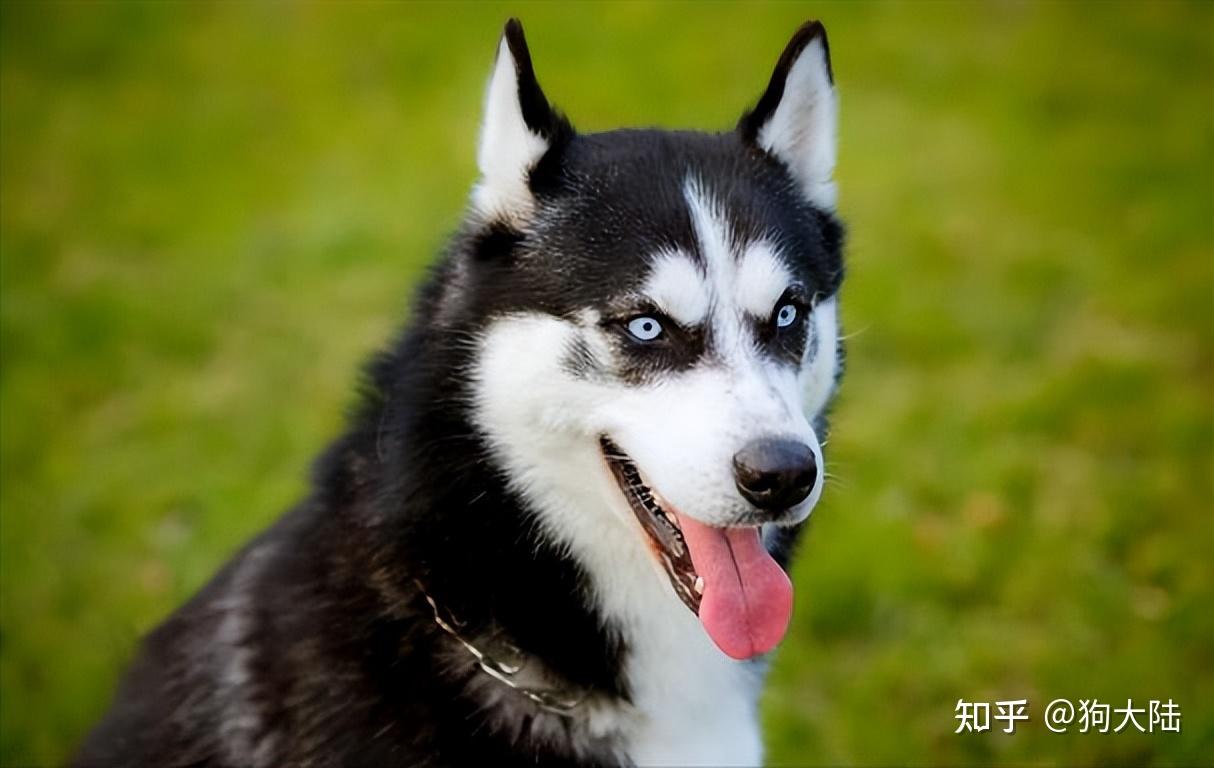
[[775, 474]]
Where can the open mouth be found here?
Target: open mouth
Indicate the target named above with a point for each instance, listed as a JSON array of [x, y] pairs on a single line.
[[724, 575], [665, 535]]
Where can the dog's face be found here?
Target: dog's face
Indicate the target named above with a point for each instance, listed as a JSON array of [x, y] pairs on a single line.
[[659, 312]]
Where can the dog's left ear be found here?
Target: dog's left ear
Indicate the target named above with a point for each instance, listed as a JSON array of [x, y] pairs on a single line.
[[796, 118], [519, 128]]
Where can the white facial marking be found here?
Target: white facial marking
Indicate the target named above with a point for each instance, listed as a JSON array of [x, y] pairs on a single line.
[[508, 149], [711, 230], [801, 131], [676, 286], [712, 234], [821, 366], [762, 278]]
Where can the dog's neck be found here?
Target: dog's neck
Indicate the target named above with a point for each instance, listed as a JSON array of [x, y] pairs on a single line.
[[559, 576], [504, 662], [685, 702]]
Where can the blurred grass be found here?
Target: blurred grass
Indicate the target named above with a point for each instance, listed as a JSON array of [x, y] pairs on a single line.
[[211, 213]]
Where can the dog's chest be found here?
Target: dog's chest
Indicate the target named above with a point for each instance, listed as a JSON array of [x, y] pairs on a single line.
[[697, 707], [692, 705]]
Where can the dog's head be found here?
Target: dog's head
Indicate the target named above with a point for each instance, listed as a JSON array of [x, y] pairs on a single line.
[[658, 326]]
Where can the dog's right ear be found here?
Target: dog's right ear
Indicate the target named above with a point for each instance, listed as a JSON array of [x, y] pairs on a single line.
[[519, 128]]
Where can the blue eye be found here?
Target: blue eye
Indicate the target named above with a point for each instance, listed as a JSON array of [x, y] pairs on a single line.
[[786, 316], [645, 328]]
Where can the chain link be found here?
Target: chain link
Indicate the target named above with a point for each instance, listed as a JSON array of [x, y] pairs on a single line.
[[556, 701]]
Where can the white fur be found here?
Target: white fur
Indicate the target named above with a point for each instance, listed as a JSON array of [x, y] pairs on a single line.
[[821, 358], [761, 280], [719, 262], [508, 149], [801, 131], [676, 286], [242, 732], [691, 703]]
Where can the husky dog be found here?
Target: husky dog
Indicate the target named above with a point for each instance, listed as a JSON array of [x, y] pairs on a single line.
[[555, 531]]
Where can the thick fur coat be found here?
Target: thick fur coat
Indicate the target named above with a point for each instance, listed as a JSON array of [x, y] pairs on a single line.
[[473, 480]]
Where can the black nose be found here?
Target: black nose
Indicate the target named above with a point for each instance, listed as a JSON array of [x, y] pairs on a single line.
[[775, 474]]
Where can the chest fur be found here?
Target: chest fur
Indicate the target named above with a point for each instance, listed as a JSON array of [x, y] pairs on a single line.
[[691, 704], [695, 706]]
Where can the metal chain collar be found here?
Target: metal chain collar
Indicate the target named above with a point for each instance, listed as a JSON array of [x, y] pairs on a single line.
[[552, 700]]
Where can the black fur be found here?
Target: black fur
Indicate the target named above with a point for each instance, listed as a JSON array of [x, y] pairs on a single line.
[[314, 644], [537, 112]]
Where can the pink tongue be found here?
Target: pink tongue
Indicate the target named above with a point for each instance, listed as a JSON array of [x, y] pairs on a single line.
[[747, 598]]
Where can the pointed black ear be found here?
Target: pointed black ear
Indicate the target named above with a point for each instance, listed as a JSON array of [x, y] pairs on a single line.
[[519, 128], [796, 118], [540, 117]]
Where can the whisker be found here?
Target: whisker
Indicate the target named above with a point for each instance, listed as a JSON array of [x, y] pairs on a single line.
[[855, 333]]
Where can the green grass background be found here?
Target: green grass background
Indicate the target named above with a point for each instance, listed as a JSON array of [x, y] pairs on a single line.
[[211, 213]]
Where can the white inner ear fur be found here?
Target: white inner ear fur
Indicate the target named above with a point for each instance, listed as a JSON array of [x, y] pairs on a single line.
[[801, 131], [508, 149]]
